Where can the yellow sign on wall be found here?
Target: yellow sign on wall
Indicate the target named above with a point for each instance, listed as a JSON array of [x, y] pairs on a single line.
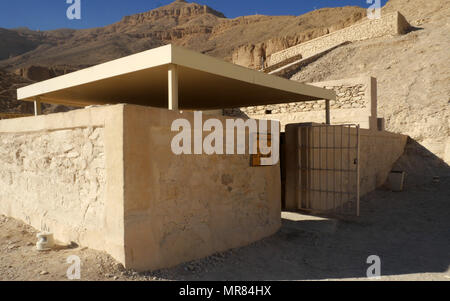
[[263, 142]]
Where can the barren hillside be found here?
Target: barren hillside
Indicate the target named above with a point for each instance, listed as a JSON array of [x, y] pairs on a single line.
[[417, 10], [191, 25], [17, 42], [413, 74], [412, 70], [8, 84], [37, 56]]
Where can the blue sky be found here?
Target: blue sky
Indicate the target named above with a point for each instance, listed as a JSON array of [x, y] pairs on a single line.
[[51, 14]]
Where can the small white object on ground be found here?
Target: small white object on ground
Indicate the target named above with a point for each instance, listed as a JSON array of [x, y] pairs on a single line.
[[45, 241]]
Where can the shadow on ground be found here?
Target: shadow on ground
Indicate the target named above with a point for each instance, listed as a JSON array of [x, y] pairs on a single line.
[[409, 231]]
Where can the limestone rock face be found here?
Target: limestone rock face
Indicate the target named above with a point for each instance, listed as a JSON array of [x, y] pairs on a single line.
[[252, 54], [190, 25], [9, 82], [179, 10], [36, 73], [40, 73]]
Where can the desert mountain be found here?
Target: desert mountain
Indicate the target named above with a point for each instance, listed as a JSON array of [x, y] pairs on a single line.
[[8, 84], [17, 42], [36, 55], [412, 70], [191, 25]]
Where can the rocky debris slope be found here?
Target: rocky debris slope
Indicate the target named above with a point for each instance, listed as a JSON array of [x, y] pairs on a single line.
[[17, 42], [9, 83], [417, 11], [40, 73], [413, 78]]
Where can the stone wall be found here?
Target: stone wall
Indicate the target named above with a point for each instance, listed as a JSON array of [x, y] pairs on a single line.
[[106, 178], [355, 103], [59, 173], [63, 169], [388, 24], [180, 208]]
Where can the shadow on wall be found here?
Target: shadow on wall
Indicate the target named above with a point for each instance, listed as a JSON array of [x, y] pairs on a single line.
[[420, 165]]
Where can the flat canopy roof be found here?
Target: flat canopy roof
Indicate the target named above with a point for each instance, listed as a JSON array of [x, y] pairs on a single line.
[[201, 82]]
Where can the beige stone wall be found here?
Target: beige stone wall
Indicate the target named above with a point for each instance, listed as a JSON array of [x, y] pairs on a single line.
[[59, 173], [355, 103], [106, 178], [388, 24], [379, 150], [179, 208], [63, 169]]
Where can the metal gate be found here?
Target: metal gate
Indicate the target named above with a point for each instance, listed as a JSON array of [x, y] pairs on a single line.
[[328, 169]]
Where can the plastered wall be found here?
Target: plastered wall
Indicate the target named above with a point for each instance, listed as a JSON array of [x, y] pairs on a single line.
[[183, 207], [106, 178]]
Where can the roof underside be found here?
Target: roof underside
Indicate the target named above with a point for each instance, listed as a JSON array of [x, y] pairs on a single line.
[[142, 79]]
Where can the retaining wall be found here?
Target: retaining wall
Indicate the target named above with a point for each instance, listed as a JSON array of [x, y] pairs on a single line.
[[356, 102], [389, 24]]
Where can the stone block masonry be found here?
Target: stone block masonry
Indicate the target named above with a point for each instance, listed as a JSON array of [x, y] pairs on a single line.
[[355, 103], [348, 97], [106, 178], [57, 173], [389, 24]]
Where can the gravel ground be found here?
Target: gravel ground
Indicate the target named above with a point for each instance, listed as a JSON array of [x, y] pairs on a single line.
[[409, 231]]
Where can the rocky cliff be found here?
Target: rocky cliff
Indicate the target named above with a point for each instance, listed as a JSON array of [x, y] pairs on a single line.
[[309, 26], [191, 25]]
